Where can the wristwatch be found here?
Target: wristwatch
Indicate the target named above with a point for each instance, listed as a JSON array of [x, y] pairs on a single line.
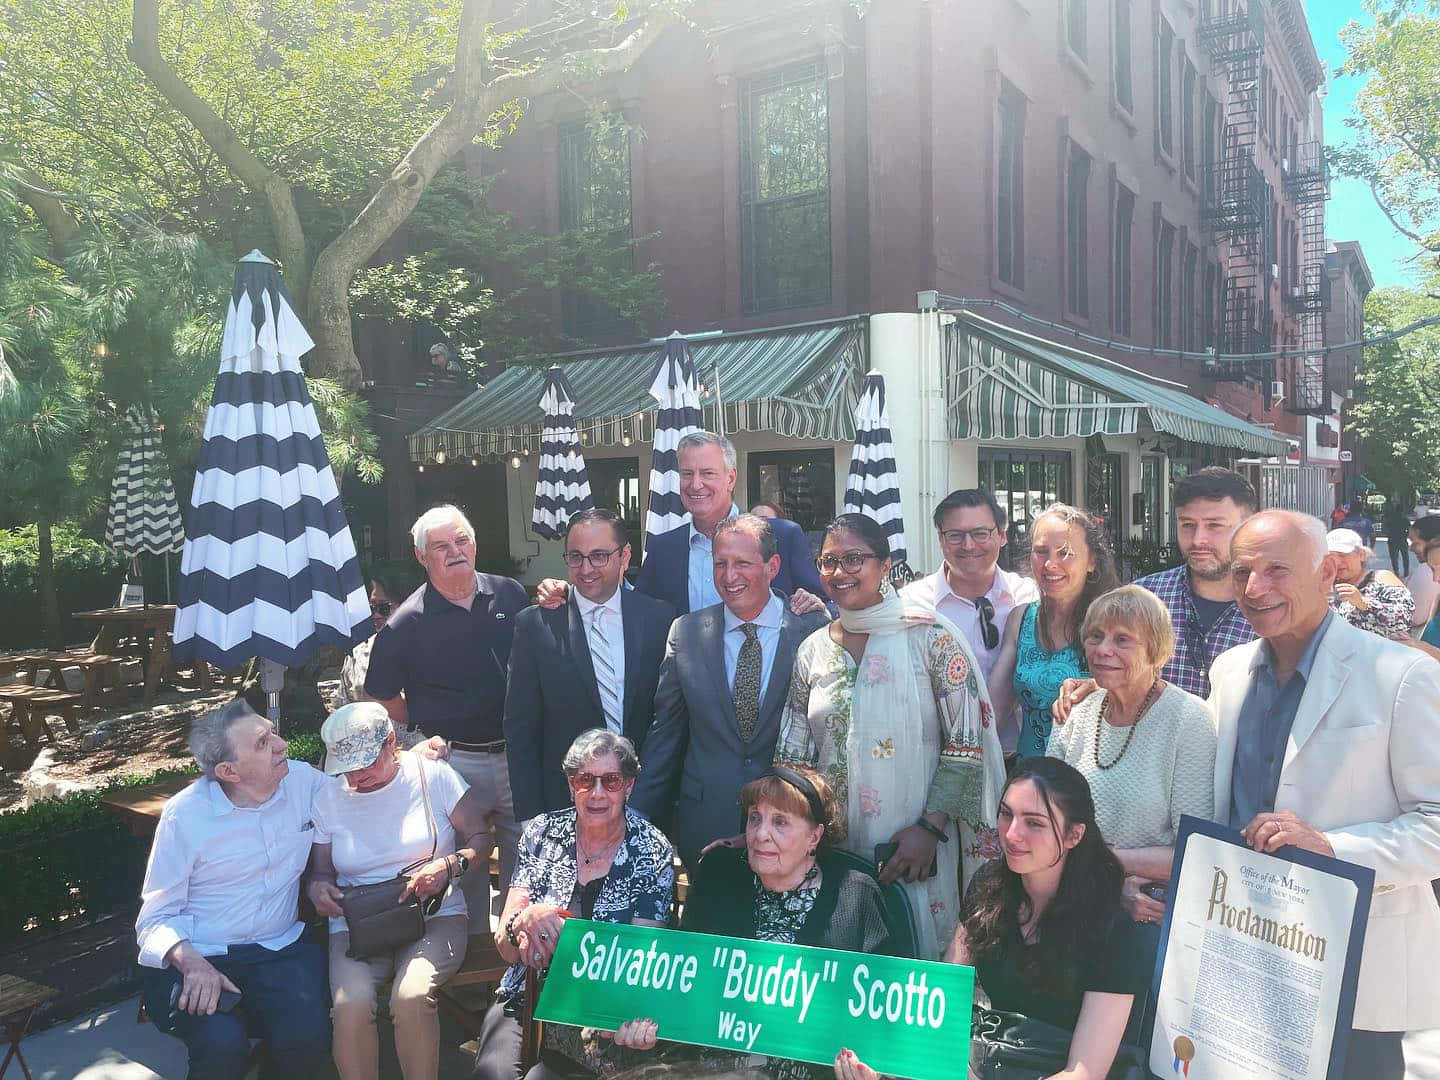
[[462, 865]]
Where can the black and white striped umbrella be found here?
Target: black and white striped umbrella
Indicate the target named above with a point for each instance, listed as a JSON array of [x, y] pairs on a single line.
[[873, 488], [270, 568], [674, 387], [143, 514], [562, 488]]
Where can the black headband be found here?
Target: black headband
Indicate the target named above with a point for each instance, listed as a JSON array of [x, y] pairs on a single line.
[[806, 788]]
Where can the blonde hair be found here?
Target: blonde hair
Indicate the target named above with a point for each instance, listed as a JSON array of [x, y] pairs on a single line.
[[1140, 610]]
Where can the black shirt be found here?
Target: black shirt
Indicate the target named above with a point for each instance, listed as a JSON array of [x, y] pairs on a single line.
[[449, 662], [1209, 612]]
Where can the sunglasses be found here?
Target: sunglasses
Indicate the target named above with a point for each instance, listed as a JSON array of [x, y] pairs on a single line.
[[989, 632], [584, 783], [382, 608]]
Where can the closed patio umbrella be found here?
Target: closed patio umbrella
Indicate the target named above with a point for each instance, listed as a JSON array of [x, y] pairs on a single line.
[[143, 515], [873, 488], [562, 488], [675, 390], [270, 568]]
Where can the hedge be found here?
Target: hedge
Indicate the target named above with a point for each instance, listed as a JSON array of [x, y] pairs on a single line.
[[87, 577], [69, 858]]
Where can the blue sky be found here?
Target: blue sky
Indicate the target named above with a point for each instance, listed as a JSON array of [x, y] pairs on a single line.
[[1352, 213]]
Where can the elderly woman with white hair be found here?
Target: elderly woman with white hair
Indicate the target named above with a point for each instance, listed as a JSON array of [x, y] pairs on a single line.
[[597, 860], [1374, 600], [397, 813], [1146, 747]]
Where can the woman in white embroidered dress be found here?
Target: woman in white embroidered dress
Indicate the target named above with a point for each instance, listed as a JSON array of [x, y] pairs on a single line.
[[888, 704]]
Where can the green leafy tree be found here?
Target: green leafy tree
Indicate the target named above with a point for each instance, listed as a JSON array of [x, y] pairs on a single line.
[[1398, 410], [1396, 118], [312, 128]]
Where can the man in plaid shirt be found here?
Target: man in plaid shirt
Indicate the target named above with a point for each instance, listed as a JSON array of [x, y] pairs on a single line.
[[1209, 506]]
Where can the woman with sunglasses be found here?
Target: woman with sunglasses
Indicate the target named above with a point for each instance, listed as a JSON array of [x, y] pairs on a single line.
[[888, 705], [386, 591], [597, 860]]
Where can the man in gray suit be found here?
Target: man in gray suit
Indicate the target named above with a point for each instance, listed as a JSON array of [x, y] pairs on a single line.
[[723, 685]]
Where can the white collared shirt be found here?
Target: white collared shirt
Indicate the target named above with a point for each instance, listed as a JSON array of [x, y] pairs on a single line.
[[701, 569], [768, 624], [222, 875], [615, 635]]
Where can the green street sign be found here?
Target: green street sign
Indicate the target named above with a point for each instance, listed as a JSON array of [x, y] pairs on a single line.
[[902, 1017]]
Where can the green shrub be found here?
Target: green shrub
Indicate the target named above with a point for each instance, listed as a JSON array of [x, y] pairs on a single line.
[[86, 575], [69, 858]]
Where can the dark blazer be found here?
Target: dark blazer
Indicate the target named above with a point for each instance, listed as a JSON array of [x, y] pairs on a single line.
[[553, 696], [665, 573], [696, 740]]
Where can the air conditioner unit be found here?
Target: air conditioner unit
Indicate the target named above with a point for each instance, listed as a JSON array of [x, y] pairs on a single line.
[[1277, 389], [1285, 165]]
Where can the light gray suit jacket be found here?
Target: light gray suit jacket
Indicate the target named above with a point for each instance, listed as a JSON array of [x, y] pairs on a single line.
[[1363, 767], [695, 738]]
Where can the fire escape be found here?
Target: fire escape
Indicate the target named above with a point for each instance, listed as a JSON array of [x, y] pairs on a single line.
[[1306, 185], [1237, 196]]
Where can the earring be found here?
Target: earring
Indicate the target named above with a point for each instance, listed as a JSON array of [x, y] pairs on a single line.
[[811, 852], [886, 589], [1092, 574]]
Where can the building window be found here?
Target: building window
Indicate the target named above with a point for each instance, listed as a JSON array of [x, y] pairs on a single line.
[[1123, 221], [1024, 483], [785, 189], [1187, 118], [1187, 297], [1164, 284], [1164, 88], [1009, 186], [1211, 138], [1124, 79], [1209, 311], [1077, 225], [615, 485], [1264, 95], [800, 482], [1152, 488], [1105, 490], [1075, 28], [594, 182]]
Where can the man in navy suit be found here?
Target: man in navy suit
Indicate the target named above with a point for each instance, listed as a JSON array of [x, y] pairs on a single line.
[[678, 564], [591, 663]]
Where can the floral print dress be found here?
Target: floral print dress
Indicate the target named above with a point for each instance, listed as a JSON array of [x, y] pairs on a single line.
[[953, 732]]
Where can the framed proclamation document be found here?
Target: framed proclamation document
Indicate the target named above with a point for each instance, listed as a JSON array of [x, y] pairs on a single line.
[[1259, 958]]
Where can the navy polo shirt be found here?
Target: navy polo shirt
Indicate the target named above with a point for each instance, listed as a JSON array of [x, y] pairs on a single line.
[[450, 662]]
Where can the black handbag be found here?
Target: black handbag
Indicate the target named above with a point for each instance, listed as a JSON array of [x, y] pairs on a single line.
[[375, 916], [1011, 1046]]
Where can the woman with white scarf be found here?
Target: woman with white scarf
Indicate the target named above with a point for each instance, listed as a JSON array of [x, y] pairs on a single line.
[[888, 704]]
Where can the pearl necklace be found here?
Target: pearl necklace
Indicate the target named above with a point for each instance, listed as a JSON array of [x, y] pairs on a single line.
[[1104, 711]]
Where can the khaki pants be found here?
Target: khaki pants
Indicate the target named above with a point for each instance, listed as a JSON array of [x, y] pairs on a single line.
[[415, 971], [489, 778]]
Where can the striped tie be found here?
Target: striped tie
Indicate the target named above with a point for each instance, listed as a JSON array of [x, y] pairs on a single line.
[[604, 669]]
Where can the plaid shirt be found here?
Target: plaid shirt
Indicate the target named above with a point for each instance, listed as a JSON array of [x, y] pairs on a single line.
[[1189, 668]]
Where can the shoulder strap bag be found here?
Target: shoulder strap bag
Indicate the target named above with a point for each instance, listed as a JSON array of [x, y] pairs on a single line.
[[1010, 1046], [378, 921]]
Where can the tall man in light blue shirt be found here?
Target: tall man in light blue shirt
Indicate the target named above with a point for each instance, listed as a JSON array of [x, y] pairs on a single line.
[[220, 939], [722, 690]]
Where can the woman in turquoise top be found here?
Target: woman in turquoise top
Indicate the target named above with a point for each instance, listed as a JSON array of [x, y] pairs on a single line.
[[1431, 636], [1071, 562]]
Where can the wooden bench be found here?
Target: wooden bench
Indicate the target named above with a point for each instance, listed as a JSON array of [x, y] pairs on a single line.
[[31, 704]]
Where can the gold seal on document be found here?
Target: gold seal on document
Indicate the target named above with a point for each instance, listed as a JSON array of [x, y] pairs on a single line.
[[1184, 1049]]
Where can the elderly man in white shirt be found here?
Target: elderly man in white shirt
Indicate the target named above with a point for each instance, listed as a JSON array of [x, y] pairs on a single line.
[[219, 930], [970, 589]]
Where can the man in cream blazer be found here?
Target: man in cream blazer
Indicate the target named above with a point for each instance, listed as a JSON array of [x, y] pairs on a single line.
[[1329, 739]]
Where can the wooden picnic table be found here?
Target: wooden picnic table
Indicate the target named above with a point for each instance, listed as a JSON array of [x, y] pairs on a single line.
[[19, 998], [140, 807], [134, 625]]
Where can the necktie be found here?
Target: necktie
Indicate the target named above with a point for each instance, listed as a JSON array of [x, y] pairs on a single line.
[[604, 664], [747, 682]]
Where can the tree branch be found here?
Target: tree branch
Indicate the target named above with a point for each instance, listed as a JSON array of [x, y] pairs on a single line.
[[52, 214], [221, 137], [1380, 202]]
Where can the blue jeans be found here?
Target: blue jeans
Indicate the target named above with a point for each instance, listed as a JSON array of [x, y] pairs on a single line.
[[285, 1000]]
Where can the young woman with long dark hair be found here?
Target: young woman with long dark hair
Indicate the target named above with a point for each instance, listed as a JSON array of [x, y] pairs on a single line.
[[1044, 927]]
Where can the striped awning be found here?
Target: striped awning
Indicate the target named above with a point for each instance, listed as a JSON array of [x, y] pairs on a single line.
[[801, 382], [1001, 383]]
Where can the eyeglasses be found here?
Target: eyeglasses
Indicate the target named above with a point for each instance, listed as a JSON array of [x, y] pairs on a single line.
[[583, 783], [989, 632], [852, 561], [953, 537], [382, 608], [598, 559]]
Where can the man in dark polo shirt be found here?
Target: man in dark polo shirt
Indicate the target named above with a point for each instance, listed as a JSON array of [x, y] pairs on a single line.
[[439, 665]]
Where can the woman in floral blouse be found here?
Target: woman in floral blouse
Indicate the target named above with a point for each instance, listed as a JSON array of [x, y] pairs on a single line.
[[1374, 600], [599, 860], [886, 702]]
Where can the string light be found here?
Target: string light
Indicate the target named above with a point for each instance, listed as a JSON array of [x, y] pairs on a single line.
[[439, 457], [514, 461]]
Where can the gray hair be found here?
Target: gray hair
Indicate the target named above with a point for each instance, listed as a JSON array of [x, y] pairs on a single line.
[[597, 742], [433, 519], [210, 742], [697, 439], [751, 525], [1307, 525]]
